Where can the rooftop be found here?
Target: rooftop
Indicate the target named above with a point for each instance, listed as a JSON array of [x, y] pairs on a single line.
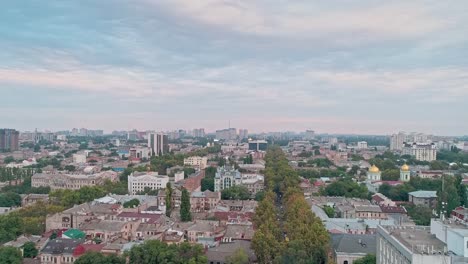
[[351, 243], [424, 194], [417, 239], [61, 245]]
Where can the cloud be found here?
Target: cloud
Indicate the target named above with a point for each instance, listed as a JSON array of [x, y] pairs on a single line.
[[369, 23]]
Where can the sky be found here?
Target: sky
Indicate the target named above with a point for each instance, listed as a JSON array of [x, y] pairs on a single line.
[[336, 66]]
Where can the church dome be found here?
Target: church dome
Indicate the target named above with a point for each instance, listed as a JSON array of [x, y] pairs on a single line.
[[405, 167], [374, 169]]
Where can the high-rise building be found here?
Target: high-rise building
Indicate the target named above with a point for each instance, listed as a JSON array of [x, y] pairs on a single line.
[[362, 145], [421, 151], [309, 135], [397, 140], [226, 134], [158, 142], [9, 139], [243, 134], [258, 145], [199, 132]]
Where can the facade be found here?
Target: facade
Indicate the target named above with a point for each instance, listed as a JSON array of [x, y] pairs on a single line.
[[199, 132], [79, 158], [397, 141], [309, 135], [226, 177], [362, 145], [369, 212], [196, 161], [253, 182], [226, 134], [258, 145], [9, 139], [243, 134], [33, 198], [141, 153], [424, 198], [421, 151], [71, 181], [138, 182], [442, 242], [405, 173], [59, 251], [374, 174], [204, 201], [158, 142]]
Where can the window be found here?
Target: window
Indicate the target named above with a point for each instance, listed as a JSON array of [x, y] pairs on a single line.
[[345, 262]]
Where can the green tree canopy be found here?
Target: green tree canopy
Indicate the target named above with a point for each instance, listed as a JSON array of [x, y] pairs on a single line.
[[10, 255], [154, 251], [236, 192], [30, 250], [185, 214], [132, 203], [368, 259], [96, 257]]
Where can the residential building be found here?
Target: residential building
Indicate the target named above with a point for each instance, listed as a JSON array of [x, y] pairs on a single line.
[[110, 230], [79, 214], [219, 255], [226, 134], [349, 247], [204, 201], [421, 151], [158, 142], [309, 135], [254, 183], [59, 251], [71, 181], [196, 161], [369, 212], [79, 158], [137, 182], [205, 232], [141, 153], [9, 139], [397, 141], [424, 198], [442, 242], [258, 145], [33, 198], [362, 145], [226, 177], [199, 132], [243, 134]]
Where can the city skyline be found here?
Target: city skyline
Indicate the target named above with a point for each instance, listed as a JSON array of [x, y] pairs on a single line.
[[336, 67]]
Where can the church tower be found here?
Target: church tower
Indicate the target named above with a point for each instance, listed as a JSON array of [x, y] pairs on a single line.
[[405, 174]]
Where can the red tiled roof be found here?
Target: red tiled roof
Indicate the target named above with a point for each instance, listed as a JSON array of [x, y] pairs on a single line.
[[393, 209], [83, 248]]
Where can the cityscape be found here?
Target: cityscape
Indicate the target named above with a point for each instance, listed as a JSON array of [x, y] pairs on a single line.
[[233, 132]]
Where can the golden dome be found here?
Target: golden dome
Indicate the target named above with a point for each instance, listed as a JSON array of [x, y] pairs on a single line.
[[374, 169], [405, 167]]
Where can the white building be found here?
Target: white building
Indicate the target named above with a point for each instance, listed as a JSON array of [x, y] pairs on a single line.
[[137, 182], [158, 142], [79, 158], [442, 242], [362, 145], [196, 161], [397, 141], [199, 132], [309, 135], [421, 151], [62, 137], [226, 177], [71, 181], [141, 152]]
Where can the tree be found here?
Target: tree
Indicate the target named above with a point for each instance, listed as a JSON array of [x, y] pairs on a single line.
[[70, 168], [368, 259], [236, 192], [259, 196], [154, 251], [239, 257], [10, 199], [207, 184], [8, 159], [132, 203], [29, 250], [168, 199], [10, 255], [421, 215], [185, 214], [329, 211], [96, 257], [391, 175]]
